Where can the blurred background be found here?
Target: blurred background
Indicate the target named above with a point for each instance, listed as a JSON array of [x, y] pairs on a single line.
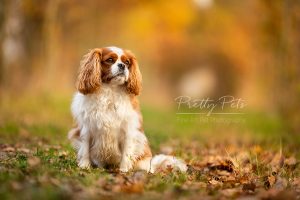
[[202, 48]]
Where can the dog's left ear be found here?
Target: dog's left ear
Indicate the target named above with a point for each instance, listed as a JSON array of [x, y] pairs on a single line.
[[89, 78], [134, 83]]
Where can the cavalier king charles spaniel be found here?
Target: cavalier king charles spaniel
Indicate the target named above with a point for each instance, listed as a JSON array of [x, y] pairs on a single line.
[[109, 130]]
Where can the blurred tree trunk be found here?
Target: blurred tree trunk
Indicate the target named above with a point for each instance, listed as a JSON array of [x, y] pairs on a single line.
[[13, 44], [52, 40], [281, 30], [290, 69], [22, 41], [2, 14]]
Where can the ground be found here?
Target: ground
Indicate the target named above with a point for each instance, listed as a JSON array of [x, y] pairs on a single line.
[[245, 157]]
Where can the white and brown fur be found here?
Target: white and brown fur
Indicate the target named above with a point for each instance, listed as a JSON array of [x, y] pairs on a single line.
[[109, 123]]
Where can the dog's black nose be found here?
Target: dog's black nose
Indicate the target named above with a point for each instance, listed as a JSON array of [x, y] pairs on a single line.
[[121, 66]]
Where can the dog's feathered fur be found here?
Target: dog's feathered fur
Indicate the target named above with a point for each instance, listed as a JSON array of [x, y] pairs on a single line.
[[109, 123]]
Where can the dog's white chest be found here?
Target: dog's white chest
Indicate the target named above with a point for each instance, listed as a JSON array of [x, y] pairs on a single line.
[[108, 109], [105, 115]]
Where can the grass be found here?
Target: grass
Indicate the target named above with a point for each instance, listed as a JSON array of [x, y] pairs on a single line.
[[226, 155]]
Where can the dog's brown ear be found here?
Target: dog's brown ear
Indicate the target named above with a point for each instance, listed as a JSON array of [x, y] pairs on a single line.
[[134, 83], [89, 78]]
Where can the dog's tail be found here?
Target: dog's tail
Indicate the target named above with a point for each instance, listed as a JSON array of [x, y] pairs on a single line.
[[74, 137], [162, 162]]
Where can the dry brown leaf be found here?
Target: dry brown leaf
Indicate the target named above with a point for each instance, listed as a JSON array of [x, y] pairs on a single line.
[[291, 161], [9, 149], [244, 179], [56, 147], [136, 187], [249, 187], [223, 173], [277, 161], [281, 183], [277, 194], [135, 183], [101, 181], [257, 149], [62, 154], [247, 169], [16, 185], [24, 150], [190, 185], [109, 185], [215, 182], [230, 178], [230, 192], [269, 182], [241, 158], [43, 179], [296, 182], [55, 181], [140, 176], [218, 163], [33, 161], [266, 157]]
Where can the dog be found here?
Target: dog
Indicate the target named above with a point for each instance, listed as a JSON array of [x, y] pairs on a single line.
[[109, 130]]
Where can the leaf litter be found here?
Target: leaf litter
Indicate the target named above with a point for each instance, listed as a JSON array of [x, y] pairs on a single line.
[[213, 171]]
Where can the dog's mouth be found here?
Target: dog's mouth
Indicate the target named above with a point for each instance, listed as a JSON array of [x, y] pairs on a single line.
[[118, 75]]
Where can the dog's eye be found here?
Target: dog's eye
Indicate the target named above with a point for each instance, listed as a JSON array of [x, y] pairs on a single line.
[[110, 60], [127, 62]]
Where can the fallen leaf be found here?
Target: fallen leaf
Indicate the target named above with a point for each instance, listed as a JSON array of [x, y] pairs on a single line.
[[277, 194], [24, 150], [249, 187], [215, 182], [291, 161], [269, 181], [230, 192], [296, 182], [62, 154], [223, 173], [277, 161], [136, 187], [244, 179], [257, 149], [16, 185], [139, 176], [281, 183], [134, 183], [56, 147], [9, 149], [55, 181], [33, 161], [3, 156], [190, 185], [230, 179]]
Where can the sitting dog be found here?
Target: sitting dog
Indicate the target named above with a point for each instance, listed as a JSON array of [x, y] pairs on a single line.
[[109, 129]]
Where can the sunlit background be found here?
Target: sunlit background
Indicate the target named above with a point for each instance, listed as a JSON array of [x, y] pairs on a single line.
[[202, 48]]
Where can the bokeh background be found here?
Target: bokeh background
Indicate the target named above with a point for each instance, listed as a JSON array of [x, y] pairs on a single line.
[[203, 48]]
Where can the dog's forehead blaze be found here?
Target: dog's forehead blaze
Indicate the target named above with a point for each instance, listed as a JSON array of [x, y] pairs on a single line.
[[109, 52]]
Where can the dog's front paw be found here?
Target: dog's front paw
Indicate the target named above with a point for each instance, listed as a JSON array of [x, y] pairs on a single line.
[[84, 164], [126, 165]]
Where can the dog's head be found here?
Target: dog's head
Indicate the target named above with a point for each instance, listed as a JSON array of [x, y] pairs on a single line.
[[109, 65]]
